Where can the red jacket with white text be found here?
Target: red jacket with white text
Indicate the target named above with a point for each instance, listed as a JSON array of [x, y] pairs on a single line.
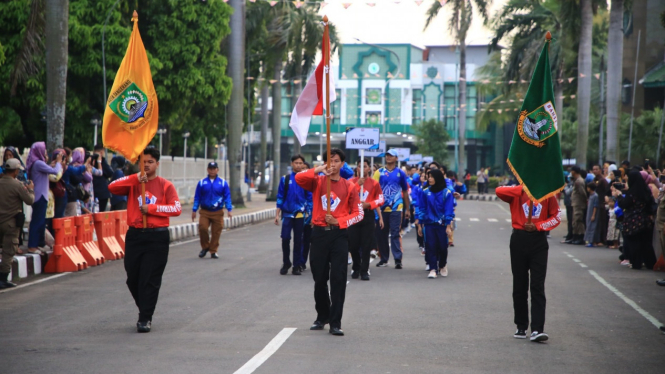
[[161, 196], [546, 214], [372, 193], [344, 198]]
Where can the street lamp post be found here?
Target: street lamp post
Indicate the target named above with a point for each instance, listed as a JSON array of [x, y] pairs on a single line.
[[161, 131], [184, 159], [95, 121]]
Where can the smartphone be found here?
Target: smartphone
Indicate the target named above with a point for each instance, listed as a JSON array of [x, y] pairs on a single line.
[[619, 186], [646, 164]]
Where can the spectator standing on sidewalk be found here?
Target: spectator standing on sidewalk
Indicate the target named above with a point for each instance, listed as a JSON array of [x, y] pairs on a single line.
[[100, 183], [147, 249], [330, 241], [480, 181], [528, 257], [212, 196], [578, 200], [38, 172], [118, 165], [602, 219], [292, 204], [14, 194]]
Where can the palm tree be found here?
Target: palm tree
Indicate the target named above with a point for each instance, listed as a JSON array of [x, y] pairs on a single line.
[[614, 66], [584, 80], [459, 22], [235, 123], [57, 41]]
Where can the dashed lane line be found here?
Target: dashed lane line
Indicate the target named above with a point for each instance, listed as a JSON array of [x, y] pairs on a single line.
[[509, 220], [492, 220], [268, 351], [474, 219]]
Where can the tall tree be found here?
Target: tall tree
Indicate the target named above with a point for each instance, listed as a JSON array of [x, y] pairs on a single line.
[[614, 67], [584, 80], [459, 21], [276, 127], [263, 152], [57, 42], [236, 112]]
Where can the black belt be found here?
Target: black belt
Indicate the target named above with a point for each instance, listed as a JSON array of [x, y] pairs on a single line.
[[154, 229], [515, 231], [326, 228]]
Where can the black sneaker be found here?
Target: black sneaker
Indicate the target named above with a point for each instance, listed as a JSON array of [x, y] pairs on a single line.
[[539, 336], [381, 264], [364, 277], [662, 328], [398, 265], [354, 274], [203, 252], [284, 270], [296, 270], [214, 255], [520, 334], [143, 326], [303, 268]]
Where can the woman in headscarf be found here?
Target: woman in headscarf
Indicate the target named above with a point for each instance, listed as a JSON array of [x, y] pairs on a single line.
[[38, 172], [637, 203], [10, 152], [77, 172], [87, 186], [118, 202], [57, 186], [436, 211]]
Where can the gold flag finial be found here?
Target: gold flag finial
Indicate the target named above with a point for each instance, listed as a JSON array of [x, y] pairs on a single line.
[[548, 36], [135, 16]]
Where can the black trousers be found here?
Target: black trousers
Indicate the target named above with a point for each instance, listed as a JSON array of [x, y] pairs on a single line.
[[569, 218], [360, 242], [328, 259], [103, 203], [639, 248], [528, 259], [306, 242], [146, 254]]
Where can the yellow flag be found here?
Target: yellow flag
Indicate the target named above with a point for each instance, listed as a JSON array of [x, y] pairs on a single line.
[[131, 114]]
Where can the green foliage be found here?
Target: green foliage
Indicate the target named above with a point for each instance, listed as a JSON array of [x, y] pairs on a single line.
[[432, 137], [182, 39]]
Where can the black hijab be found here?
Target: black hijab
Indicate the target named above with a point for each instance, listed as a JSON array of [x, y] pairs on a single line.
[[439, 181], [638, 188]]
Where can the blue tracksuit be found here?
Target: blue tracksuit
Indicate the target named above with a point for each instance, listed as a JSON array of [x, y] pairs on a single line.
[[435, 211], [294, 206], [212, 195]]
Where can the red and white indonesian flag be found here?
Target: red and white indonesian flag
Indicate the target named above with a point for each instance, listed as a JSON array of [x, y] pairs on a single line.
[[312, 98]]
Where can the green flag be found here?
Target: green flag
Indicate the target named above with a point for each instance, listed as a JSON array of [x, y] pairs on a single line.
[[535, 153]]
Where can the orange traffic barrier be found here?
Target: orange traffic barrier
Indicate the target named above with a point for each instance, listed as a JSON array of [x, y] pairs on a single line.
[[120, 227], [66, 257], [105, 229], [660, 264], [85, 243]]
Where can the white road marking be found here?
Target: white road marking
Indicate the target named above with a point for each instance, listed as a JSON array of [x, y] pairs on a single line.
[[582, 265], [474, 219], [492, 220], [185, 242], [457, 219], [35, 282], [576, 260], [509, 220], [268, 351], [628, 301], [571, 256]]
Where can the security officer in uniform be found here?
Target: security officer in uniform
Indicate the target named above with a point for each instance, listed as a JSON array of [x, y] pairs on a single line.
[[14, 194]]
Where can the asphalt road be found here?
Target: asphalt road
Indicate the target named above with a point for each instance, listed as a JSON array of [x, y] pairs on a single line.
[[215, 316]]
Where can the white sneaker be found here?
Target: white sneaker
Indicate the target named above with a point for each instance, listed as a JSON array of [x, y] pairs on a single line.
[[422, 251], [538, 336], [444, 271], [426, 267], [350, 259], [372, 254], [408, 229], [432, 274]]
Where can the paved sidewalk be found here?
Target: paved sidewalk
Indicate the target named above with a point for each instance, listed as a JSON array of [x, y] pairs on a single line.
[[258, 203]]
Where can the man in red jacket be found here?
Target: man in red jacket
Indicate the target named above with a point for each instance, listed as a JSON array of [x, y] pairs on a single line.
[[330, 246], [147, 249], [528, 257]]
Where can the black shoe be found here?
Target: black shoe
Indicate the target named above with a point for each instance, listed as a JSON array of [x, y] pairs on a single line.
[[381, 264], [214, 255], [203, 252], [660, 282], [303, 268], [285, 269], [364, 277], [520, 334], [354, 274], [143, 326], [336, 331], [567, 241], [318, 325], [538, 336], [398, 265], [662, 328], [6, 284], [577, 242], [296, 270]]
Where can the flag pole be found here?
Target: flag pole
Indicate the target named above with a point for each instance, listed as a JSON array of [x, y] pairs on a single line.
[[325, 48], [142, 172]]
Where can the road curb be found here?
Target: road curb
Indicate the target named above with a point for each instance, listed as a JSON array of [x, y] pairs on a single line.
[[485, 197], [189, 230]]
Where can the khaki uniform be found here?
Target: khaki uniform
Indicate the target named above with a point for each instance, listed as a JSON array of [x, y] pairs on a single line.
[[214, 219], [14, 194], [579, 201]]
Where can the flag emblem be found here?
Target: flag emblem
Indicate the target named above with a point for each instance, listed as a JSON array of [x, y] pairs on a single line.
[[130, 104], [538, 125]]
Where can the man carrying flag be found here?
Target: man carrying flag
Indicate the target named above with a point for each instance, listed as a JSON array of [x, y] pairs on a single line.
[[130, 122], [535, 159]]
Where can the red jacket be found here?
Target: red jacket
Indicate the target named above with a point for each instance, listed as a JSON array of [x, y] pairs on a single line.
[[161, 196], [344, 196], [546, 215], [372, 192]]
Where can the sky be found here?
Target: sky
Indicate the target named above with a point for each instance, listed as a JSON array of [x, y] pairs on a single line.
[[398, 21]]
